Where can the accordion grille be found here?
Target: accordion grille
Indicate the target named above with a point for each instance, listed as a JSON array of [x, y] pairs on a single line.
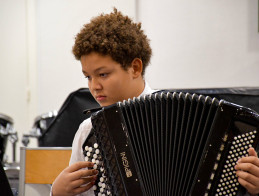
[[168, 120]]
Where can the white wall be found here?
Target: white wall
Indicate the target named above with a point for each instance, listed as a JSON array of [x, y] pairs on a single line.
[[195, 44], [202, 43], [13, 64], [38, 70]]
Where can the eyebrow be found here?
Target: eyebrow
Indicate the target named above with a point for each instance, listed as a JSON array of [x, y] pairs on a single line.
[[95, 71]]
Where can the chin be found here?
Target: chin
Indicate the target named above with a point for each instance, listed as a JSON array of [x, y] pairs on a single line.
[[103, 104], [106, 104]]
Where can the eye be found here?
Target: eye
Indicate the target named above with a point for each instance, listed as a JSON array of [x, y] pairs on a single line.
[[88, 77], [103, 75]]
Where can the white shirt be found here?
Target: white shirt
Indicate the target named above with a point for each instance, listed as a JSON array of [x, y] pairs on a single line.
[[81, 135]]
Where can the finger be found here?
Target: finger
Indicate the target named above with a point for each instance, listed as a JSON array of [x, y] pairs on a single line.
[[79, 165], [248, 167], [252, 152], [252, 189], [83, 181], [250, 159], [83, 188], [248, 177], [83, 173]]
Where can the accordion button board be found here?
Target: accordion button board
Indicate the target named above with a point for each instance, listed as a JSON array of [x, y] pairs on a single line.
[[170, 144]]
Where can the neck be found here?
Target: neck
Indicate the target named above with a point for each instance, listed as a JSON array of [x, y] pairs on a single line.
[[139, 86]]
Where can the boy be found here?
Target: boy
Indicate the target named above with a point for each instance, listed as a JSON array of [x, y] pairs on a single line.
[[114, 53]]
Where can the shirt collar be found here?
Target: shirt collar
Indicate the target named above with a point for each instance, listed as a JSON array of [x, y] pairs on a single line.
[[147, 90]]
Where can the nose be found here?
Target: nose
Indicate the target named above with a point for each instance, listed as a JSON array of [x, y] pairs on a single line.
[[94, 84]]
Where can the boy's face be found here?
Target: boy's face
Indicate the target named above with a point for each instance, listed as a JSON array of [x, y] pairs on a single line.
[[107, 80]]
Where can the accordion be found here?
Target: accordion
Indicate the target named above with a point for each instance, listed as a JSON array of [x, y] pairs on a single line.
[[170, 144]]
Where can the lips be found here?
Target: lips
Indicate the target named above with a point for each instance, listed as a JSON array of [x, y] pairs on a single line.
[[100, 98]]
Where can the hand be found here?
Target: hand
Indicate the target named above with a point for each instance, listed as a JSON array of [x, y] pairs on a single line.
[[74, 179], [248, 172]]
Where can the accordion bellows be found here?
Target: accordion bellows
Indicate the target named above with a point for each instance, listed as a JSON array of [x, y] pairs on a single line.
[[173, 144]]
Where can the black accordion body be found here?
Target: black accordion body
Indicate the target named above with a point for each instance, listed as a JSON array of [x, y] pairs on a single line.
[[170, 144]]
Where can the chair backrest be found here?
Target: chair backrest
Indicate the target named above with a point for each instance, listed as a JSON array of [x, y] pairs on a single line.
[[41, 165]]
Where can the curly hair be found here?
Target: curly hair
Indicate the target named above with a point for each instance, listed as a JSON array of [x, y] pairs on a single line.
[[115, 35]]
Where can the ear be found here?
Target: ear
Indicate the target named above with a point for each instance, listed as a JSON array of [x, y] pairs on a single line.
[[137, 67]]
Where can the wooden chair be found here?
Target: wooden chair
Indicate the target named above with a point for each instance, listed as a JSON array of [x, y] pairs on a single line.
[[41, 165]]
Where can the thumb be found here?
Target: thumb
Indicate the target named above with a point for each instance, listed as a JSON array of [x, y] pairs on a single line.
[[252, 152]]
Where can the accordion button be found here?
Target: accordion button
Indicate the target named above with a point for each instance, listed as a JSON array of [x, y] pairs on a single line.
[[86, 159], [95, 145], [90, 149], [97, 151], [86, 148]]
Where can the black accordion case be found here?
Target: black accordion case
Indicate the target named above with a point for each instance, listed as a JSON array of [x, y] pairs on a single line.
[[170, 143], [61, 131], [245, 96]]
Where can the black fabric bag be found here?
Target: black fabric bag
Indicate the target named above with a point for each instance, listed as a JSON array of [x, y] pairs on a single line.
[[62, 129], [244, 96], [4, 183]]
